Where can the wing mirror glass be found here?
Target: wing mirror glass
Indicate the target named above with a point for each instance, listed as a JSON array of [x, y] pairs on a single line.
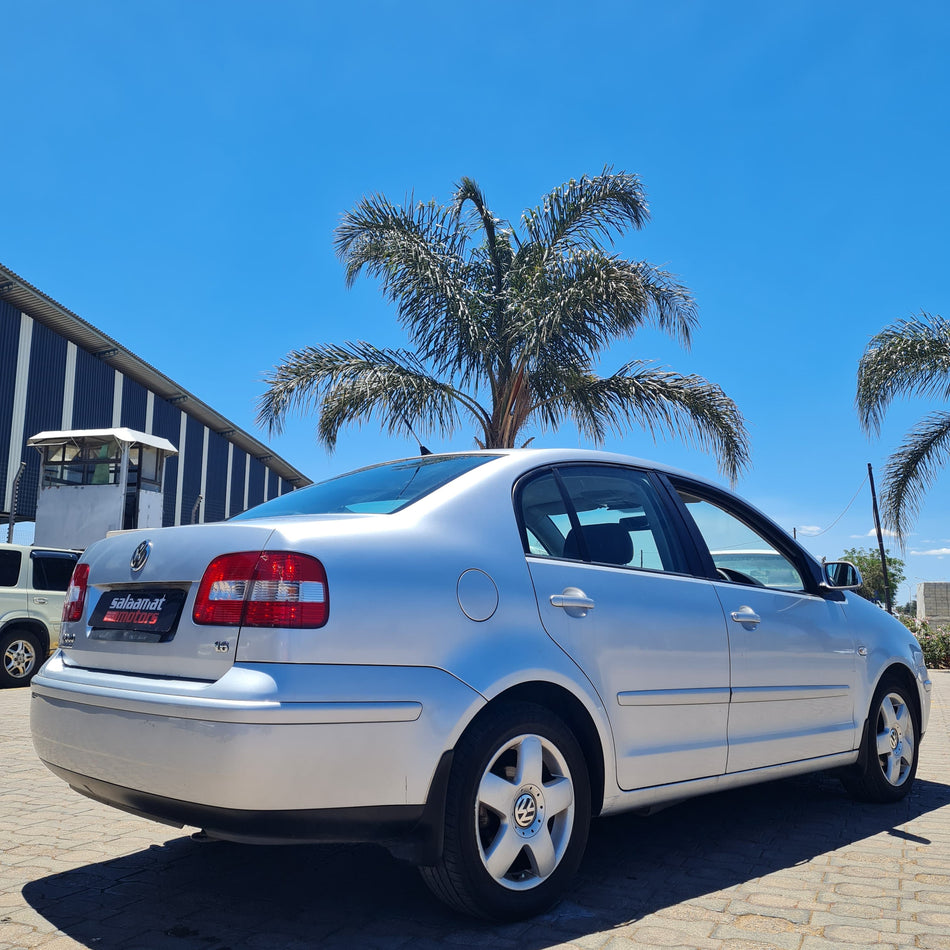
[[841, 575]]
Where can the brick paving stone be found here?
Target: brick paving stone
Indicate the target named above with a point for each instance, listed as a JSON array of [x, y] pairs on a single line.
[[794, 864]]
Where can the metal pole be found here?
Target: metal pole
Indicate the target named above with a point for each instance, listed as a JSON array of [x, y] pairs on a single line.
[[880, 542], [16, 491]]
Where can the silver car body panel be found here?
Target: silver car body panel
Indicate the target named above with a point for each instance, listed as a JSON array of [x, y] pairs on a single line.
[[663, 670], [361, 711], [252, 740]]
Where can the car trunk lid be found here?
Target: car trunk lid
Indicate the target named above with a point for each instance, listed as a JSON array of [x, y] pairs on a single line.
[[140, 598]]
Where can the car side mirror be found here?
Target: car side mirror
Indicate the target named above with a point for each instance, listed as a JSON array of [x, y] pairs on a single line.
[[841, 575]]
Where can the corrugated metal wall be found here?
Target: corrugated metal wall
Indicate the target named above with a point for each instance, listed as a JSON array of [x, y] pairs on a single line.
[[166, 422], [238, 467], [134, 402], [191, 483], [42, 397], [92, 393], [255, 494], [44, 406], [9, 342], [216, 480]]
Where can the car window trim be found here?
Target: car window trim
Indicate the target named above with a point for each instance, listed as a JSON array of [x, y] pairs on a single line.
[[686, 555]]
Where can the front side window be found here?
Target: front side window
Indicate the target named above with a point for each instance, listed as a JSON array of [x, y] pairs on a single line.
[[740, 553], [598, 513]]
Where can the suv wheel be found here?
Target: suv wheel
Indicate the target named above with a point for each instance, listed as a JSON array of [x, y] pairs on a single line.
[[19, 657], [517, 815]]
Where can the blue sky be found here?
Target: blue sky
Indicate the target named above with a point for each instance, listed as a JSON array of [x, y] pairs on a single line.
[[173, 172]]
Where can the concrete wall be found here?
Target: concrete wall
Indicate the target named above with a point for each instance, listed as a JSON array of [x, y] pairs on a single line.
[[933, 601]]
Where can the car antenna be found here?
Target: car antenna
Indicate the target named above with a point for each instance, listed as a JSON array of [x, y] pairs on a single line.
[[422, 449]]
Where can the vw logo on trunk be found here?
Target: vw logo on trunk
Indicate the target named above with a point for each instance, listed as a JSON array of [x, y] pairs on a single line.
[[140, 556]]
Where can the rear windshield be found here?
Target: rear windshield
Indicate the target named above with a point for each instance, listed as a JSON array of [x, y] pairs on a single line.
[[380, 489]]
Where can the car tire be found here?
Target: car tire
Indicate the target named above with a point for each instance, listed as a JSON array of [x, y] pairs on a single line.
[[517, 815], [889, 762], [19, 657]]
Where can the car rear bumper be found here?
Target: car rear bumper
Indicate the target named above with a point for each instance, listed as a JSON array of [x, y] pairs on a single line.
[[275, 751], [411, 832]]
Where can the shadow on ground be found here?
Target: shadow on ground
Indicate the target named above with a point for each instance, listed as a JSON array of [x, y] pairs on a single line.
[[185, 895]]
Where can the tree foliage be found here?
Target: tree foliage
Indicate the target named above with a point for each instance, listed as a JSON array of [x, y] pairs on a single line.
[[506, 326], [868, 562], [908, 358]]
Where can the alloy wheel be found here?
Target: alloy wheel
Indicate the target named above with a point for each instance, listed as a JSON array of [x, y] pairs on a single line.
[[896, 741], [524, 812]]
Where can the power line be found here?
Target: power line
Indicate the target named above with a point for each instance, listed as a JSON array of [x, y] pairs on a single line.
[[843, 513]]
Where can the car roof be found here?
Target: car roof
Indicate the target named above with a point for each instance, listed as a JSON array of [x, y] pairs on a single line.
[[13, 546], [534, 458]]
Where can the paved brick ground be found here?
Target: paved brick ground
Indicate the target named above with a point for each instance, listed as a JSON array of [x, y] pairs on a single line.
[[794, 865]]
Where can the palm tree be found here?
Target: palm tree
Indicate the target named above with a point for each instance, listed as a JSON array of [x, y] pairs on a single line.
[[506, 328], [910, 357]]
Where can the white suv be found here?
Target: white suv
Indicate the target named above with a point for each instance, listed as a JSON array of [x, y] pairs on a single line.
[[33, 584]]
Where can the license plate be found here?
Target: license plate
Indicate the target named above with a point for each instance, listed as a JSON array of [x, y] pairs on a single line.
[[149, 611]]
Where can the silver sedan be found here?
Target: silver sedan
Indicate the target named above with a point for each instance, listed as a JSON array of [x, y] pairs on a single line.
[[464, 658]]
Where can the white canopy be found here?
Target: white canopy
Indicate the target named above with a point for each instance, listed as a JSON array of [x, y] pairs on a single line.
[[130, 436]]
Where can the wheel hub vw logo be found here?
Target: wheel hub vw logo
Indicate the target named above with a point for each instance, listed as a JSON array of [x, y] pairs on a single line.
[[140, 556], [526, 809]]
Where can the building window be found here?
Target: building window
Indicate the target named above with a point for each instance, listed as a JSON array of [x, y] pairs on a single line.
[[145, 468], [82, 465]]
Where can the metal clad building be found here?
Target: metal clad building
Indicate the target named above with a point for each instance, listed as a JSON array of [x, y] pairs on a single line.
[[58, 372]]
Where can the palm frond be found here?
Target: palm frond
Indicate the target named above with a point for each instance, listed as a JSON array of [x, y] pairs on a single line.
[[911, 471], [910, 357], [663, 403], [575, 306], [582, 210], [356, 381], [441, 291], [467, 190]]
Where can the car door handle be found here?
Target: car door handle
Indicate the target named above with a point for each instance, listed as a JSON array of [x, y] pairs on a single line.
[[746, 615], [40, 600], [572, 598]]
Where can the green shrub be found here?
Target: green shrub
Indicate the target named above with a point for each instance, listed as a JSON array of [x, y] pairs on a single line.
[[935, 643]]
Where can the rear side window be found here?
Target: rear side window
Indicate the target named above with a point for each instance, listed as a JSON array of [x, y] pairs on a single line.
[[9, 568], [52, 571], [598, 513]]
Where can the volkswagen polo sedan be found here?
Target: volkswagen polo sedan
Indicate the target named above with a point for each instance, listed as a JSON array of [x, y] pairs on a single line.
[[465, 657]]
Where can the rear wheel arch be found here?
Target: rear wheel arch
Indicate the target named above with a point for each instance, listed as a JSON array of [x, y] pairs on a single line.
[[567, 707], [29, 625], [21, 654]]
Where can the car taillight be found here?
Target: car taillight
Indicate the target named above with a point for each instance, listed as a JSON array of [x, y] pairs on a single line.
[[76, 594], [263, 589]]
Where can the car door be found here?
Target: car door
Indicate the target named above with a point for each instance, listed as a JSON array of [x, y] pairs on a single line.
[[615, 592], [791, 648]]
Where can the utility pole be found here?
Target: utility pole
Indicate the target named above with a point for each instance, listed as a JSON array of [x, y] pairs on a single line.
[[880, 542]]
